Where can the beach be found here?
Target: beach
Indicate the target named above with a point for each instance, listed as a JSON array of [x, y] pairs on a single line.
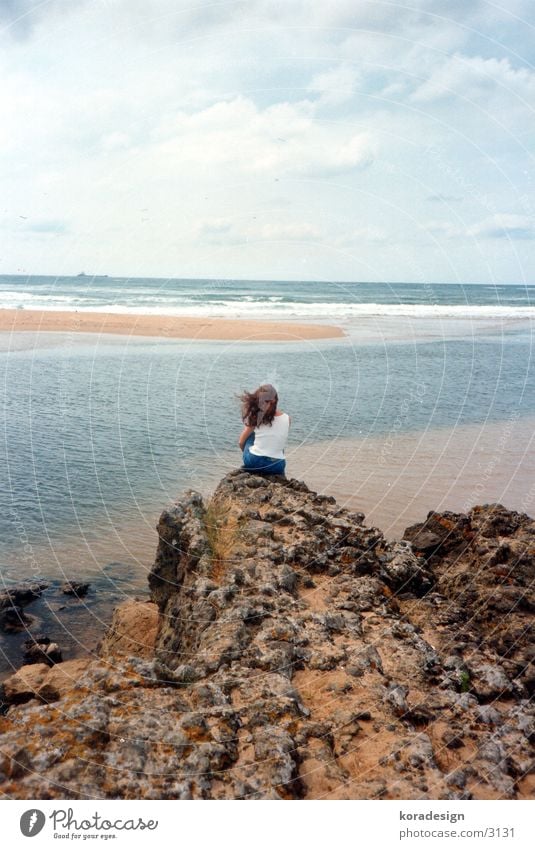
[[167, 326]]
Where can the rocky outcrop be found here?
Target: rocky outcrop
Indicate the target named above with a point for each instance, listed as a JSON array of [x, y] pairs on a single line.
[[297, 654], [132, 631]]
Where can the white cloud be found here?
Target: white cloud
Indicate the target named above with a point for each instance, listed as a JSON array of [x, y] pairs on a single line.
[[335, 85], [476, 78], [224, 231], [498, 226], [164, 134], [281, 140], [362, 236], [505, 226]]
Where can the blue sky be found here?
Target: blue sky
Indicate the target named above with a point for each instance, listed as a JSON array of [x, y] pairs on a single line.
[[340, 140]]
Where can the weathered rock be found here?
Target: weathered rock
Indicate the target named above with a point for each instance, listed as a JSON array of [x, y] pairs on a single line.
[[132, 631], [43, 682], [405, 572], [291, 652], [489, 681]]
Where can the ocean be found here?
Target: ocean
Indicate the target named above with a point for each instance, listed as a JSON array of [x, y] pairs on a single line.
[[267, 298], [101, 432]]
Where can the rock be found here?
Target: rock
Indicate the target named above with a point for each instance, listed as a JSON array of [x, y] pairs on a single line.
[[25, 683], [132, 631], [245, 677], [13, 619], [489, 715], [21, 594], [41, 650], [489, 681], [43, 682], [76, 588], [396, 697], [403, 571], [452, 739], [441, 533]]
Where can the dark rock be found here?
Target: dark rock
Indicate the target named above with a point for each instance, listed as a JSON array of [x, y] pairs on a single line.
[[21, 594], [396, 697], [13, 619], [41, 649], [76, 588]]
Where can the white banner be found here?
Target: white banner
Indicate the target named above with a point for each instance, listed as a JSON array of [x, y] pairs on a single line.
[[253, 826]]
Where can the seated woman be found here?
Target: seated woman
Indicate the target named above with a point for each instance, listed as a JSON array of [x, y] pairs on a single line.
[[265, 435]]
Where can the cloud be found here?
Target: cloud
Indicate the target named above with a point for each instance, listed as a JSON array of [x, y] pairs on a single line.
[[498, 226], [362, 235], [335, 85], [224, 231], [27, 224], [157, 129], [443, 198], [505, 226], [292, 232], [281, 140], [19, 18], [475, 78], [47, 226]]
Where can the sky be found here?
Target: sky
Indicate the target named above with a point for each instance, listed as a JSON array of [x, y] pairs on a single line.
[[269, 139]]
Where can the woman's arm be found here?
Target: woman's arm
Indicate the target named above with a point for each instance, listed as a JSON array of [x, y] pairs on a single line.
[[246, 432]]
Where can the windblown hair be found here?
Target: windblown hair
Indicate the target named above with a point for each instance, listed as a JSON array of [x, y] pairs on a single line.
[[259, 407]]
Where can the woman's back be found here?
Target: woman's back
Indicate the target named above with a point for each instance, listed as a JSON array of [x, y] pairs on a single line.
[[270, 440]]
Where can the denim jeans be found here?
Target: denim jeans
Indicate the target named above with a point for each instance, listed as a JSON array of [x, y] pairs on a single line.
[[264, 465]]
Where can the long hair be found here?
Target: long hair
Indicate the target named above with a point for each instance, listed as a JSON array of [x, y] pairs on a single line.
[[259, 407]]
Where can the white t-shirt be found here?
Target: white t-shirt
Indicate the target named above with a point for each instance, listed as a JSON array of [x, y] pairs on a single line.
[[270, 440]]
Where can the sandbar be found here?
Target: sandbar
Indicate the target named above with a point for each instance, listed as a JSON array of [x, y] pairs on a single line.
[[169, 326]]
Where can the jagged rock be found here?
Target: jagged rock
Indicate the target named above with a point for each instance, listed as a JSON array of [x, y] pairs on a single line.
[[489, 681], [76, 588], [441, 533], [403, 571], [396, 697], [291, 652]]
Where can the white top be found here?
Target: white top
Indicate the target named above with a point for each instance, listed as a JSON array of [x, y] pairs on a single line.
[[270, 440]]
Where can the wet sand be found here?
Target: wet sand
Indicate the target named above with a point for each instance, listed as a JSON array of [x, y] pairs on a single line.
[[396, 479], [168, 326]]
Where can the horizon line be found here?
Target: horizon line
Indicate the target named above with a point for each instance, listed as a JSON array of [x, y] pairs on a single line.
[[82, 275]]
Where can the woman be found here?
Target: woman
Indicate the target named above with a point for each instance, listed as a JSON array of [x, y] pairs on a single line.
[[265, 434]]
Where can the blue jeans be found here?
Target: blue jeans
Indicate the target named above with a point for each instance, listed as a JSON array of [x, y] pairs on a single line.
[[264, 465]]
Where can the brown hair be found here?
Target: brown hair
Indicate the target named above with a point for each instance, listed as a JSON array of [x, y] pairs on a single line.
[[259, 407]]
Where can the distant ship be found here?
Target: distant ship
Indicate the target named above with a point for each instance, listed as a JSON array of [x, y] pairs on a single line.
[[83, 274]]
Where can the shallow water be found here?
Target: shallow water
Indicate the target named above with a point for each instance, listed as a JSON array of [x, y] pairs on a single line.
[[101, 432]]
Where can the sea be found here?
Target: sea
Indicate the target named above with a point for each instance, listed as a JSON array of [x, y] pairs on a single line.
[[102, 432]]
